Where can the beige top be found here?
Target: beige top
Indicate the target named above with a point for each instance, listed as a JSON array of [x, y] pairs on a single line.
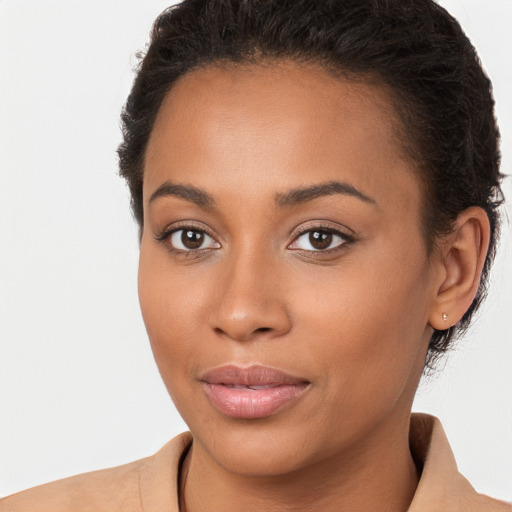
[[150, 484]]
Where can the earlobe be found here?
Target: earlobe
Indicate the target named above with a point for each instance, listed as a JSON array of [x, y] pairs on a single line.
[[462, 255]]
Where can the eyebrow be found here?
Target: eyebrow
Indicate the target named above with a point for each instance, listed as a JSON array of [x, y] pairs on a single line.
[[187, 192], [302, 195], [291, 198]]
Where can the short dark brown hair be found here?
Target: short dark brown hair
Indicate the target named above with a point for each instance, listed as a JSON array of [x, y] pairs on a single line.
[[412, 47]]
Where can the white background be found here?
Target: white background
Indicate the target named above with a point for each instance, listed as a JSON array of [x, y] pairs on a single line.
[[78, 386]]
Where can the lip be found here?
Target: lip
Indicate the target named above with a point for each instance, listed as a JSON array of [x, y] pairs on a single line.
[[253, 392]]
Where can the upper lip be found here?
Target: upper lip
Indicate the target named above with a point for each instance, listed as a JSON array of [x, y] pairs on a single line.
[[255, 375]]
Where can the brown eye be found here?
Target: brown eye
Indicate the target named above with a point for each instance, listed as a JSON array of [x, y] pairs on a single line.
[[315, 240], [189, 239], [192, 239], [320, 239]]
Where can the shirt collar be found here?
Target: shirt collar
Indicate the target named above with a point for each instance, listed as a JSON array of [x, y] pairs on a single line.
[[441, 487]]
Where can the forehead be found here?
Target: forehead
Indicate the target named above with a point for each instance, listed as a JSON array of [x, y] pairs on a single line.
[[255, 124]]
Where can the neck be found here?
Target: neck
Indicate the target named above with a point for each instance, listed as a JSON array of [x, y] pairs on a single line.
[[378, 474]]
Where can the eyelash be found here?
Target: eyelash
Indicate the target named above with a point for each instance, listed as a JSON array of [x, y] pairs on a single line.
[[166, 235], [322, 228]]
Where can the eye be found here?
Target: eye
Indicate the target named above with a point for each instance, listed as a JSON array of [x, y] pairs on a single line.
[[319, 239], [189, 239]]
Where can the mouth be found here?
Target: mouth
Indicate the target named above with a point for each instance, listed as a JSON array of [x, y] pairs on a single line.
[[253, 392]]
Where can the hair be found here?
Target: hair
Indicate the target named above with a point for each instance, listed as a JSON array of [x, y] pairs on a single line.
[[412, 48]]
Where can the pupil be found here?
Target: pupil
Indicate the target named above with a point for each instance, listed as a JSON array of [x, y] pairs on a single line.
[[192, 239], [320, 239]]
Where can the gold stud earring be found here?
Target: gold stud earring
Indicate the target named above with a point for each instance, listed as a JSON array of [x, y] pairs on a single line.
[[445, 317]]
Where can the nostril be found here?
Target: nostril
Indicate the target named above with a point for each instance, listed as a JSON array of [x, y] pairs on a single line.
[[218, 330]]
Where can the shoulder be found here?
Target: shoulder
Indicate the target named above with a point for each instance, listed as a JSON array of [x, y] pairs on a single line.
[[115, 488], [483, 503], [441, 487], [124, 488]]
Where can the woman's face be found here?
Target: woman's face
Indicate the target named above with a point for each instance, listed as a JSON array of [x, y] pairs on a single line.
[[282, 230]]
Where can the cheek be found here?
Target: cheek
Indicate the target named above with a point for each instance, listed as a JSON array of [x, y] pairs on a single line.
[[369, 324], [170, 315]]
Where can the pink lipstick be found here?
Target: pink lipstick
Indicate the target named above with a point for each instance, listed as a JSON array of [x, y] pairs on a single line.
[[253, 392]]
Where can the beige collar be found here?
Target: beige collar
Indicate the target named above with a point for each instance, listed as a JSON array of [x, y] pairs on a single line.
[[441, 488]]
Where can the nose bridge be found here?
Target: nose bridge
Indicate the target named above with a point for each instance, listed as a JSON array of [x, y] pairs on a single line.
[[249, 302]]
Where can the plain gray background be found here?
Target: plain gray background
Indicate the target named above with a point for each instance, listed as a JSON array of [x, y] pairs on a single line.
[[78, 386]]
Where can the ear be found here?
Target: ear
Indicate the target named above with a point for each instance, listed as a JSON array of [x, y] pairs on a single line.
[[461, 256]]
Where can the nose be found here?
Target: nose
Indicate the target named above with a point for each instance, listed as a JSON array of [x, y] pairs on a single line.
[[249, 301]]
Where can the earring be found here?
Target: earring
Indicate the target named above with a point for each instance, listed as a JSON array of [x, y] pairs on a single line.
[[445, 317]]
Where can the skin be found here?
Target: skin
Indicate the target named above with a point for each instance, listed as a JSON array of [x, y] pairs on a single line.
[[354, 320]]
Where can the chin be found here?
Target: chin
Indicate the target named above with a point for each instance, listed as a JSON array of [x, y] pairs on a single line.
[[258, 458], [256, 447]]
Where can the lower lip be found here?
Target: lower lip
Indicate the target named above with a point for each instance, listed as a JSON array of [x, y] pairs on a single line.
[[248, 403]]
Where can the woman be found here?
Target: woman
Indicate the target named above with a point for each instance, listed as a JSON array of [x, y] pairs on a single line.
[[316, 185]]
